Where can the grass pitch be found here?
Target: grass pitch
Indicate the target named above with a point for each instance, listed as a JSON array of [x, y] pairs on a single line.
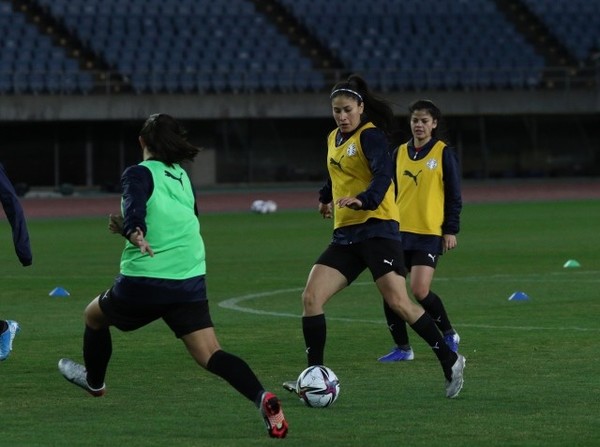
[[532, 366]]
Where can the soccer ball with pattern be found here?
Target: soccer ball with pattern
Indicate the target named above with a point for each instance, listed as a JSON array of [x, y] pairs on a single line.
[[318, 386]]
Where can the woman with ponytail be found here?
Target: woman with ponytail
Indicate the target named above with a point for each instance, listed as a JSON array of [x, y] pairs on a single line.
[[359, 196], [162, 275]]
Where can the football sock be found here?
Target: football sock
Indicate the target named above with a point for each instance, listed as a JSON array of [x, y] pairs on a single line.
[[433, 306], [315, 334], [397, 327], [3, 326], [97, 349], [237, 373], [428, 331]]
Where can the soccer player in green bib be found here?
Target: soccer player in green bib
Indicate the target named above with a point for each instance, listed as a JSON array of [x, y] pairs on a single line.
[[162, 273]]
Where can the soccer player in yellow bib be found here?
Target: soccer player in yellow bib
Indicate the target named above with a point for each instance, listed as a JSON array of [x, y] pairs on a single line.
[[429, 200], [359, 195]]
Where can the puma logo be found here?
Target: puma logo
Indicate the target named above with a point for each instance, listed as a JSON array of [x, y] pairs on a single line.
[[412, 176], [431, 256], [333, 162], [168, 174]]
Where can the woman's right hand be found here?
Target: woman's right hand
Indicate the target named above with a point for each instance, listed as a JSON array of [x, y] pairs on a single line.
[[115, 223], [326, 210]]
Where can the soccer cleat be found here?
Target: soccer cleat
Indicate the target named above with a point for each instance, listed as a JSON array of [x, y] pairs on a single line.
[[397, 355], [452, 340], [291, 386], [454, 385], [7, 337], [77, 374], [270, 408]]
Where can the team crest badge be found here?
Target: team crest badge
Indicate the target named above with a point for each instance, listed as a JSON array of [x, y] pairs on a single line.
[[351, 151], [432, 163]]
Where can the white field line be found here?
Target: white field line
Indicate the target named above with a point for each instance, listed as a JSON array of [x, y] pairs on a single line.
[[238, 303]]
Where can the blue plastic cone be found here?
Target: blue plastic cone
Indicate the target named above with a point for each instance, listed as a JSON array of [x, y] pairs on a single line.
[[571, 263], [59, 291], [518, 296]]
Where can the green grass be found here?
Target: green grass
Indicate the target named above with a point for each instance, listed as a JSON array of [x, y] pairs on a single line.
[[532, 376]]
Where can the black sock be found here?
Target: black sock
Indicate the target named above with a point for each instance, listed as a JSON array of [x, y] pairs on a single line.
[[315, 334], [397, 327], [429, 332], [97, 349], [433, 306], [3, 326], [237, 373]]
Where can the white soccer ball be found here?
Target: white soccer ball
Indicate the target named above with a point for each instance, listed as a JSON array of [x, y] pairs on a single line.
[[270, 206], [257, 206], [318, 386]]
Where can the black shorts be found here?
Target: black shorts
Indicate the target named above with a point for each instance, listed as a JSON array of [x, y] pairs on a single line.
[[127, 309], [379, 255], [418, 257]]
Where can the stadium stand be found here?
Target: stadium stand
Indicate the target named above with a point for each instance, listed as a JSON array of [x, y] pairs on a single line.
[[206, 46], [30, 62], [424, 44], [250, 77], [576, 23], [192, 46]]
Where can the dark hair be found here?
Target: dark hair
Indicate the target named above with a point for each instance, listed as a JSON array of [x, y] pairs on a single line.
[[166, 139], [431, 108], [377, 110]]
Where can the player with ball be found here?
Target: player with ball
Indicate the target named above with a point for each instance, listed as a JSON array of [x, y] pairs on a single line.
[[366, 230]]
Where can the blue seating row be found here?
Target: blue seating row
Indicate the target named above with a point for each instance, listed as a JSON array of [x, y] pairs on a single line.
[[426, 43], [31, 62], [575, 23], [214, 46]]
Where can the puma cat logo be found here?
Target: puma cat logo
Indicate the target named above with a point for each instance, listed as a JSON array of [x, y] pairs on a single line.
[[412, 176], [333, 162], [168, 174]]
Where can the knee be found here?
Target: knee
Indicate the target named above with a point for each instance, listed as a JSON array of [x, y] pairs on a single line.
[[93, 317], [92, 321], [419, 291], [310, 300]]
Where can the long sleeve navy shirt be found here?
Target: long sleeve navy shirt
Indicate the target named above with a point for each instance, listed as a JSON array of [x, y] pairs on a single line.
[[137, 186], [16, 217]]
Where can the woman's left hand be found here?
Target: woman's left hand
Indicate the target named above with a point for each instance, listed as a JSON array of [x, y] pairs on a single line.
[[450, 241], [137, 239], [349, 202]]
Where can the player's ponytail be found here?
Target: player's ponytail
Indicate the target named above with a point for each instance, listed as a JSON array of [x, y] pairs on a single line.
[[166, 139]]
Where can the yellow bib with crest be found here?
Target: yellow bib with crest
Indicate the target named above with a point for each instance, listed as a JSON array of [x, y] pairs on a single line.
[[350, 175], [420, 196]]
